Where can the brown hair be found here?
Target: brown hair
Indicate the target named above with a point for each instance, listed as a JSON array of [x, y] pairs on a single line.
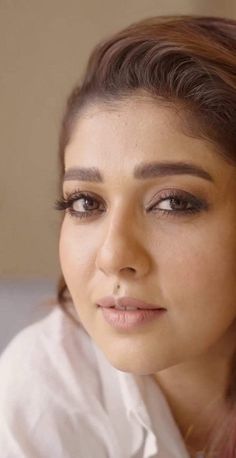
[[185, 62]]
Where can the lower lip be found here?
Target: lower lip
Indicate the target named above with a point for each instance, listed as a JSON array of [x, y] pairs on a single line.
[[130, 319]]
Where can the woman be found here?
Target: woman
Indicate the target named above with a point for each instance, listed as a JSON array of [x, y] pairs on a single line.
[[139, 361]]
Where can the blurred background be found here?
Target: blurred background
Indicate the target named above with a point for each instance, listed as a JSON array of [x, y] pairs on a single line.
[[44, 46]]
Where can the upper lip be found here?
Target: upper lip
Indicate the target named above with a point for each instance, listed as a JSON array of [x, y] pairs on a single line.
[[109, 301]]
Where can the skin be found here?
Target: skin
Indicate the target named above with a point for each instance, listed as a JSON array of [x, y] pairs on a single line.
[[185, 263]]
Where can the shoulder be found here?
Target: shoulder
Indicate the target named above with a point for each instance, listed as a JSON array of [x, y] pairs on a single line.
[[49, 357], [49, 382], [52, 394]]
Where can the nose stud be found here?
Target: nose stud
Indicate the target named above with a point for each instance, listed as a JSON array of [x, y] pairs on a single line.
[[116, 289]]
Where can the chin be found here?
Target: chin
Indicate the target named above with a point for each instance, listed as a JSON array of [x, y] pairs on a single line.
[[136, 365]]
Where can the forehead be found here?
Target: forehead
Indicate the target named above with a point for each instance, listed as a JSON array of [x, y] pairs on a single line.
[[125, 133], [129, 121]]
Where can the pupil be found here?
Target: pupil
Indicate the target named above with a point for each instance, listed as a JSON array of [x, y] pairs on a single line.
[[87, 201], [177, 202]]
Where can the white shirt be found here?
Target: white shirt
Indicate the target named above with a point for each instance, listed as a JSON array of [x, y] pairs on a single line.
[[61, 398]]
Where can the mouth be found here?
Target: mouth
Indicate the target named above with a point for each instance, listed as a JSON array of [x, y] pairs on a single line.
[[116, 307], [127, 318], [126, 303]]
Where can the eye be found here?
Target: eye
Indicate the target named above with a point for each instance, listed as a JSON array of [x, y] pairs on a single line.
[[79, 204], [177, 203], [84, 203]]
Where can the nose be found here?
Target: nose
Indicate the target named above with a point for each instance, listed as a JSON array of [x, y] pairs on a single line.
[[122, 254]]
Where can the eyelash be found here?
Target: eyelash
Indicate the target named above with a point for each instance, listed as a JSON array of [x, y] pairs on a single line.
[[65, 203]]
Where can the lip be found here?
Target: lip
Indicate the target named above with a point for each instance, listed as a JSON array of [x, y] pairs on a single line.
[[129, 320], [126, 301]]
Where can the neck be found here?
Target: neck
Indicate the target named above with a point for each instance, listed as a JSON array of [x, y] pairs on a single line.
[[196, 411], [195, 392]]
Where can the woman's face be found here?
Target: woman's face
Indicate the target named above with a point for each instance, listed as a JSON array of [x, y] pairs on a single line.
[[179, 254]]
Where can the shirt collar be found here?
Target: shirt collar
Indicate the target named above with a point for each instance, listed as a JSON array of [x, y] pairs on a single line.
[[132, 388], [132, 393]]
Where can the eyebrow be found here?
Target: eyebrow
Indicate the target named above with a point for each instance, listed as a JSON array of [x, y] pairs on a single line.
[[141, 171]]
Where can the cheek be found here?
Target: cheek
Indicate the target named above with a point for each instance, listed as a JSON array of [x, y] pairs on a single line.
[[66, 247], [200, 259], [198, 284], [76, 253]]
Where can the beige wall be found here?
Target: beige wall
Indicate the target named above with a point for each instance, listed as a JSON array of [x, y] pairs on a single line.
[[44, 45]]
